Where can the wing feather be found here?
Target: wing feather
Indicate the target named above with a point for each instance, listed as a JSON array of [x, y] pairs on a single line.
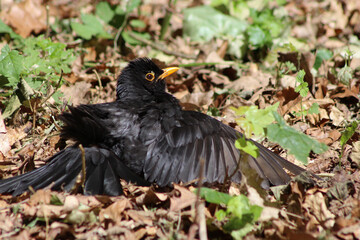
[[175, 156]]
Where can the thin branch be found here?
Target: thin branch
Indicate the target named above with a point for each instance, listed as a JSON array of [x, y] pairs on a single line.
[[56, 88], [122, 27], [200, 219], [83, 166]]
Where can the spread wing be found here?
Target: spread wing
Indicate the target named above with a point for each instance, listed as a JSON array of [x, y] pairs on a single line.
[[175, 156]]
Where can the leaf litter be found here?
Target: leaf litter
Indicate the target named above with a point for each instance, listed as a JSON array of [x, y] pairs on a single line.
[[305, 210]]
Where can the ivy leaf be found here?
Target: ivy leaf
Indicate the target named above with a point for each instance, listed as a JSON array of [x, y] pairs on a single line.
[[296, 142], [213, 196]]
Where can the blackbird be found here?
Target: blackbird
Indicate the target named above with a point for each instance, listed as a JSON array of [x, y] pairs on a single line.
[[145, 137]]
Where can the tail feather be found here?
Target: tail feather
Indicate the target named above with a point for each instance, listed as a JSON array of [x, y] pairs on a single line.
[[103, 172]]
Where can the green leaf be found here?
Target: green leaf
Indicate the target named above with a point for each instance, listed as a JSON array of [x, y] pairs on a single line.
[[238, 206], [93, 22], [137, 23], [213, 196], [132, 5], [241, 212], [247, 146], [6, 29], [314, 109], [303, 87], [255, 119], [257, 37], [290, 66], [12, 105], [55, 200], [11, 65], [213, 111], [127, 38], [91, 27], [296, 142], [204, 23], [239, 234], [82, 30], [345, 75], [104, 11], [220, 215], [348, 133], [321, 55]]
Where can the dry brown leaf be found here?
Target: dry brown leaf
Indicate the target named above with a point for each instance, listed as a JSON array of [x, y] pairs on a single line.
[[41, 196], [337, 117], [343, 92], [315, 204], [26, 17], [327, 137], [42, 211], [119, 230], [181, 198], [306, 60], [76, 93], [200, 99], [16, 134], [142, 217], [115, 211], [355, 153], [59, 230], [151, 197], [254, 80], [350, 232], [71, 203]]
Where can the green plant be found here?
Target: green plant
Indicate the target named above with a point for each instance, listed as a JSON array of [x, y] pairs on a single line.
[[347, 134], [302, 87], [204, 23], [253, 121], [243, 26], [259, 122], [34, 70], [298, 144], [303, 90], [105, 18], [238, 217]]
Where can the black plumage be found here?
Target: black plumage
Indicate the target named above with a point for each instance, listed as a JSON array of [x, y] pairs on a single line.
[[145, 137]]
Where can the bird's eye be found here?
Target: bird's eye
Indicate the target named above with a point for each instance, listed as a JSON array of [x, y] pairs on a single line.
[[150, 76]]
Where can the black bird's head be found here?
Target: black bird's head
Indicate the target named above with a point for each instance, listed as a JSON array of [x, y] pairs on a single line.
[[142, 77]]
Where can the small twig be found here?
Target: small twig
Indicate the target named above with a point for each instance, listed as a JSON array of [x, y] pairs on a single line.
[[198, 64], [293, 215], [100, 84], [34, 114], [160, 47], [122, 27], [200, 219], [47, 22], [46, 217], [56, 88], [81, 177], [83, 168], [166, 22]]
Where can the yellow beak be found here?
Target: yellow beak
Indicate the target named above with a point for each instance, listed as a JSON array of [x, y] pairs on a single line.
[[168, 71]]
